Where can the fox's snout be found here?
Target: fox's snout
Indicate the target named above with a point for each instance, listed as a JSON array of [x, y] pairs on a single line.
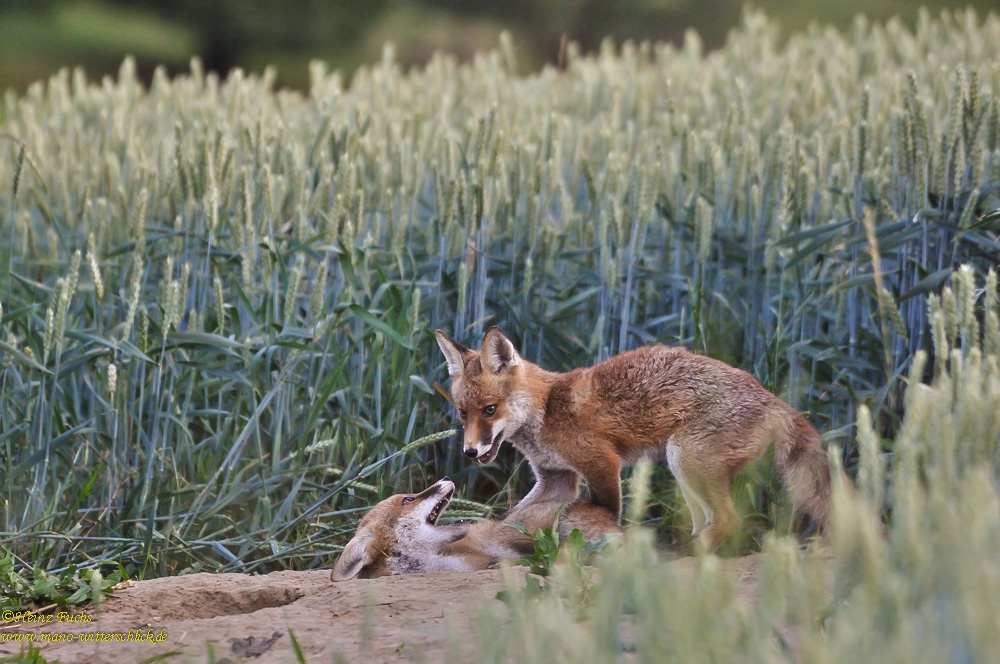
[[482, 446]]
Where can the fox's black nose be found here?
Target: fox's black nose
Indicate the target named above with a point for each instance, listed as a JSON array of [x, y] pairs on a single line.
[[471, 452], [445, 479]]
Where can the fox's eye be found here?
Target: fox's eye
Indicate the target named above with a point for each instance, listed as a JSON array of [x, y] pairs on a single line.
[[490, 410], [409, 499], [462, 414]]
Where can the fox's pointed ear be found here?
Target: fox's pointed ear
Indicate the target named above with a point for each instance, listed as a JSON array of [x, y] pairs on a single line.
[[498, 354], [353, 558], [454, 353]]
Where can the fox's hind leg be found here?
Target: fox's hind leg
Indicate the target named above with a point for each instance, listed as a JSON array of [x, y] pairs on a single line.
[[694, 504], [722, 516], [706, 489]]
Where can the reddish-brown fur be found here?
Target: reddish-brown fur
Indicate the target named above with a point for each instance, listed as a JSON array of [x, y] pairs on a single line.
[[395, 537], [592, 522], [705, 418]]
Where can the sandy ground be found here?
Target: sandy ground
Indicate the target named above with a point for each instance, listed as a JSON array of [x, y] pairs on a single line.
[[248, 618]]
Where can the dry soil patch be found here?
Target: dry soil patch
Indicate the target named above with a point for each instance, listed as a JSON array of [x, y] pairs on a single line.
[[248, 618]]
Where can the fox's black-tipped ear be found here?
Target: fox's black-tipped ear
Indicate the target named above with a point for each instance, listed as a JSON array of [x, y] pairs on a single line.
[[454, 353], [498, 353], [353, 558]]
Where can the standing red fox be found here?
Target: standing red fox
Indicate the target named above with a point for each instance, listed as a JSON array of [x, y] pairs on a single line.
[[706, 418]]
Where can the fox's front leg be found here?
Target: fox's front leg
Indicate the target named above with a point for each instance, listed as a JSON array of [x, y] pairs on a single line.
[[600, 466], [560, 486], [604, 480]]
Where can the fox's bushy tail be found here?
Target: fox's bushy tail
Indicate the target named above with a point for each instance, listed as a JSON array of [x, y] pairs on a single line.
[[804, 468]]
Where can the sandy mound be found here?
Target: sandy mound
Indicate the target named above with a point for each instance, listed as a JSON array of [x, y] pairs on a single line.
[[248, 618]]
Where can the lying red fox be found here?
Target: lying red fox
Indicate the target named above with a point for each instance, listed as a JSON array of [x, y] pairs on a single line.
[[400, 535]]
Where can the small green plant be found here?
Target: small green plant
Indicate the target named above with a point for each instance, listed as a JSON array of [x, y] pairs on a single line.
[[546, 543], [576, 550], [577, 554], [41, 590], [540, 562], [582, 552]]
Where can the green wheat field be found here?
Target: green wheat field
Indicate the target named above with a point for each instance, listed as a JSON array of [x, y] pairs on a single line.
[[218, 300]]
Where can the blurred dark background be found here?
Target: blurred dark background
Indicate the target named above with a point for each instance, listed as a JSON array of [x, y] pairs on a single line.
[[37, 37]]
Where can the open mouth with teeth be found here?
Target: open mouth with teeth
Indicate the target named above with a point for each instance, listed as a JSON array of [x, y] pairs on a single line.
[[490, 454], [440, 506]]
